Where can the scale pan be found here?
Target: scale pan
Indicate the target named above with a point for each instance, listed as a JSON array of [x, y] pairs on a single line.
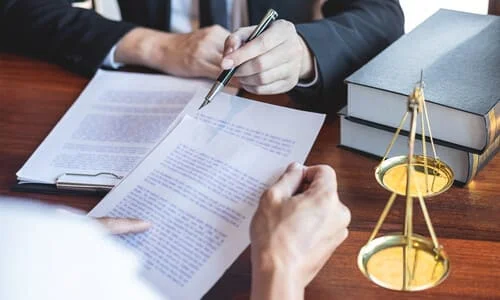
[[381, 261], [391, 174]]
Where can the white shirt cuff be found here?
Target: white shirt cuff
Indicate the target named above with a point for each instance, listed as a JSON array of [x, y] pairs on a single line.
[[109, 61], [314, 80]]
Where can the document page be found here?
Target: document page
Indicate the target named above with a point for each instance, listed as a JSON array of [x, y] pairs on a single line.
[[113, 124], [199, 188], [287, 132]]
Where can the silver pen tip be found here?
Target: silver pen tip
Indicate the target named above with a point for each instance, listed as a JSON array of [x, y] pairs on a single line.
[[211, 94], [205, 102]]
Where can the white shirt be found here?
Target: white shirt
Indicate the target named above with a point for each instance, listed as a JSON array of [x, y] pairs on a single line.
[[50, 254], [185, 15]]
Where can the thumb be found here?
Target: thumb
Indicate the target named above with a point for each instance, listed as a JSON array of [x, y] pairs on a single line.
[[289, 182], [124, 225]]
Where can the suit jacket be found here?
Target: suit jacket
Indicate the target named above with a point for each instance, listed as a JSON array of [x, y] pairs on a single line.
[[352, 32]]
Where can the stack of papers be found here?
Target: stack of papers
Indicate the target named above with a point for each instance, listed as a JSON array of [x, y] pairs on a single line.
[[196, 175]]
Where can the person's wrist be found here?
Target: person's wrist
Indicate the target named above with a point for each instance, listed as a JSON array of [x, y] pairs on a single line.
[[141, 46], [130, 48], [307, 62], [275, 278], [275, 284]]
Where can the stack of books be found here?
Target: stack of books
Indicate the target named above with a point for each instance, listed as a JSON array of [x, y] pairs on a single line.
[[459, 54]]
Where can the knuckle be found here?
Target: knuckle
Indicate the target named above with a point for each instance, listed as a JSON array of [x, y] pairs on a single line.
[[231, 40], [260, 78], [287, 26], [347, 215], [326, 170], [213, 29], [258, 65], [345, 234], [204, 32], [281, 22], [272, 194], [198, 49], [202, 36], [290, 26], [324, 198], [263, 44], [209, 33], [278, 22]]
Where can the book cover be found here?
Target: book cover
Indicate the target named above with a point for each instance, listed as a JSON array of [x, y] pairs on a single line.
[[458, 53], [373, 139]]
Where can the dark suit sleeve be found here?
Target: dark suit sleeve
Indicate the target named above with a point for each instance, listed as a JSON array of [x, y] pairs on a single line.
[[352, 32], [75, 38]]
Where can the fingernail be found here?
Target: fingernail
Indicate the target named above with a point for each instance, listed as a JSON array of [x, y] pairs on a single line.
[[227, 63]]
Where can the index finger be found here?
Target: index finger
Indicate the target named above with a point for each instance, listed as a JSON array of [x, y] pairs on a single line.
[[268, 40], [124, 225], [321, 176]]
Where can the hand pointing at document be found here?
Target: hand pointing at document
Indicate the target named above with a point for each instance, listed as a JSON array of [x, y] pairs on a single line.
[[273, 62]]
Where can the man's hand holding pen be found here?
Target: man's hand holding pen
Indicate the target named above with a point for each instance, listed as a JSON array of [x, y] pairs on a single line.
[[271, 63], [269, 58]]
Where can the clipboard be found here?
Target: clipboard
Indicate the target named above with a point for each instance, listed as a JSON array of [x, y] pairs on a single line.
[[74, 184]]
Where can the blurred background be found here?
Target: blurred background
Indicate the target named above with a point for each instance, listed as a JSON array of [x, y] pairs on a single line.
[[416, 11]]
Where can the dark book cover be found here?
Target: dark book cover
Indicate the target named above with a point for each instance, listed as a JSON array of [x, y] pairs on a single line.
[[459, 54], [476, 162], [343, 112]]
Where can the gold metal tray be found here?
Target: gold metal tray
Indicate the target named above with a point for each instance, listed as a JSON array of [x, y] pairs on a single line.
[[431, 176], [382, 261]]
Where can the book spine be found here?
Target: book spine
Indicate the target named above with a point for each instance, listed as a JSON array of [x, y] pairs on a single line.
[[492, 120], [478, 161]]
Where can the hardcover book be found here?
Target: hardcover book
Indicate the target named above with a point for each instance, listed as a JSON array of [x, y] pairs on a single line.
[[460, 58], [373, 139]]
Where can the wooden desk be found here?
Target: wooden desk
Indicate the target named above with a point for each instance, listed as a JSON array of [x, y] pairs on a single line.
[[34, 95]]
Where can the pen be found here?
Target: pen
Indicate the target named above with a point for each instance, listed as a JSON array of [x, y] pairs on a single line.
[[226, 75]]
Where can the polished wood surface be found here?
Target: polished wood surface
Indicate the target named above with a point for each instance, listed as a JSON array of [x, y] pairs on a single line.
[[34, 95]]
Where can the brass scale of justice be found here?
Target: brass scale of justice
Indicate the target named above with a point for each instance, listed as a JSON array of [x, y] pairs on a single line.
[[408, 261]]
